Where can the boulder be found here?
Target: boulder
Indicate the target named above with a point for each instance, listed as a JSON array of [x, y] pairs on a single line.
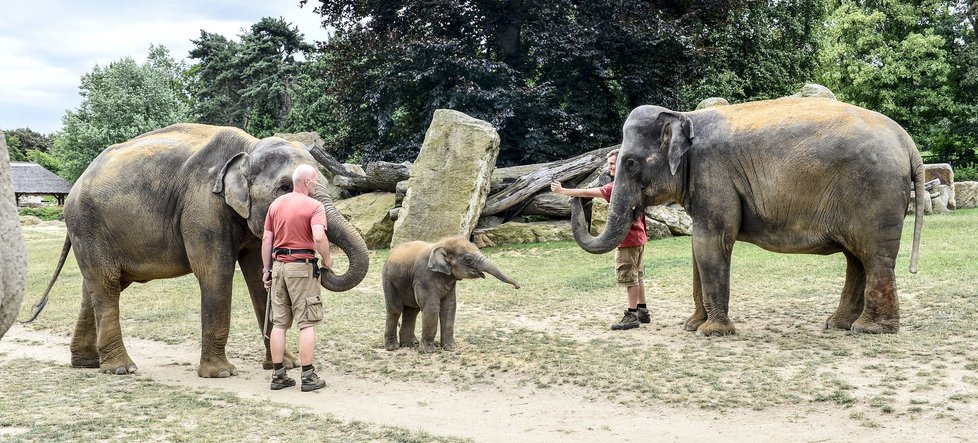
[[673, 216], [939, 199], [370, 214], [656, 230], [517, 232], [449, 180], [13, 253], [814, 90], [599, 215], [945, 173], [966, 194], [712, 102]]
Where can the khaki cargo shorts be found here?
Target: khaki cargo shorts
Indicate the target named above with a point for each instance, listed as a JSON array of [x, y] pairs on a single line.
[[629, 266], [295, 295]]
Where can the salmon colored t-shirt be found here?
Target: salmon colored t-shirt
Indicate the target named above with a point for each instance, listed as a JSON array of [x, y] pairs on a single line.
[[636, 235], [291, 218]]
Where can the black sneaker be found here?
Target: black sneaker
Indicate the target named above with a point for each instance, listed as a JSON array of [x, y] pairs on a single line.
[[311, 381], [629, 321], [281, 380], [643, 315]]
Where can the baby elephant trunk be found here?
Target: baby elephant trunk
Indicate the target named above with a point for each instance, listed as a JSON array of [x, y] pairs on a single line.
[[487, 266]]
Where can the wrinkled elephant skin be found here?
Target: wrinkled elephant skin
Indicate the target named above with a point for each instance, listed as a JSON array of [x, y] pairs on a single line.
[[183, 199], [807, 175]]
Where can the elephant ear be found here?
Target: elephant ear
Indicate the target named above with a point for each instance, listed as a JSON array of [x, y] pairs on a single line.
[[233, 183], [677, 132], [438, 261]]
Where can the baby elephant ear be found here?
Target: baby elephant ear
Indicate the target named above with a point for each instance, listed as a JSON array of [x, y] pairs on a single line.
[[233, 183], [438, 261]]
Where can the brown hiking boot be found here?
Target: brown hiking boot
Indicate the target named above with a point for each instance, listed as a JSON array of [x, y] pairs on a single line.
[[643, 315], [629, 321], [281, 380], [311, 381]]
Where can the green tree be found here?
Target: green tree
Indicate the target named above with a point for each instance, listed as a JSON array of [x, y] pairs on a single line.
[[120, 101], [22, 141], [250, 84], [555, 78], [887, 56]]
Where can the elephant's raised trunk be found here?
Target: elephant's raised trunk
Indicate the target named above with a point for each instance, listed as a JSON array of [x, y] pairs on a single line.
[[341, 233], [621, 214], [487, 266]]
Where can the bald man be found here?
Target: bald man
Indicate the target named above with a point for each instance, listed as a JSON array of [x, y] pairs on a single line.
[[295, 229]]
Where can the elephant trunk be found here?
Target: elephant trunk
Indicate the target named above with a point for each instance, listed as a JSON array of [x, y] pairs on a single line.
[[487, 266], [621, 213], [341, 233]]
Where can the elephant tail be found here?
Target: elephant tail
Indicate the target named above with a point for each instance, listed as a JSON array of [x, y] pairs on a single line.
[[57, 271], [917, 171]]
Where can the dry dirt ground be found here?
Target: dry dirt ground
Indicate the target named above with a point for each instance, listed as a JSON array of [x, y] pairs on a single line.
[[506, 414]]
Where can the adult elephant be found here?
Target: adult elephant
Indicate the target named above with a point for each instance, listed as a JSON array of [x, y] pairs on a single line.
[[807, 175], [183, 199]]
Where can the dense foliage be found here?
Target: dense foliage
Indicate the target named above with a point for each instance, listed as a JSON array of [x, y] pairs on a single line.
[[120, 101], [555, 78]]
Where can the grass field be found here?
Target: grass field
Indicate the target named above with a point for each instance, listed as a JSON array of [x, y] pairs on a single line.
[[554, 331]]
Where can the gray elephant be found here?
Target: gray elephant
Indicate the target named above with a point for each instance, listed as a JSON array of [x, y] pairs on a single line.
[[183, 199], [420, 277], [13, 254], [807, 175]]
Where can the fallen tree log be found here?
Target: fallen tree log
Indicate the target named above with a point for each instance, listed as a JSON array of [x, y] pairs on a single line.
[[378, 176], [526, 186]]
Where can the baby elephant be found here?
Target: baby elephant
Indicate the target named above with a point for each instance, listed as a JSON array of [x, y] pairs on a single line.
[[421, 276]]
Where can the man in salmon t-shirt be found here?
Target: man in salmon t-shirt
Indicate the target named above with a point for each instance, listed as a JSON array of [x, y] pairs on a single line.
[[629, 266], [295, 228]]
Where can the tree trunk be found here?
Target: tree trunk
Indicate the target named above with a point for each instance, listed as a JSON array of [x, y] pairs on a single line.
[[379, 176], [533, 182]]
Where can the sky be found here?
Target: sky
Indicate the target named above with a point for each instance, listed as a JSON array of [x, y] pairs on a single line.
[[47, 45]]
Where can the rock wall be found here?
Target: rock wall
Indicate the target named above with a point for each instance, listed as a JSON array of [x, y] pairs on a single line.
[[966, 194]]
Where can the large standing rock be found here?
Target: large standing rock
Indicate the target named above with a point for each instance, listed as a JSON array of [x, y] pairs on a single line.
[[943, 172], [814, 90], [449, 180], [370, 214], [712, 102], [516, 232], [966, 194], [13, 253]]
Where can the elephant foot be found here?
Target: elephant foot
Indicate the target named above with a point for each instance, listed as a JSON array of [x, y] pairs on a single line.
[[864, 326], [713, 328], [289, 361], [120, 366], [84, 360], [409, 343], [215, 368], [836, 321], [448, 345], [391, 345], [427, 347], [693, 323]]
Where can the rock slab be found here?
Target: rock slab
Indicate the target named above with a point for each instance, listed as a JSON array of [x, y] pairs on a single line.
[[449, 180], [966, 194], [370, 214], [13, 252]]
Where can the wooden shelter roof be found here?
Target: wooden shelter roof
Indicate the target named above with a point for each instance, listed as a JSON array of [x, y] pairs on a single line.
[[32, 178]]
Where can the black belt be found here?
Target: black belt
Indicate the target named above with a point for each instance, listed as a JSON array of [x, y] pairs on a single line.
[[287, 251]]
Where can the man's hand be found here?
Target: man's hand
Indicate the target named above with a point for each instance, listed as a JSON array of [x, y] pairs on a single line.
[[556, 187], [266, 278], [328, 261]]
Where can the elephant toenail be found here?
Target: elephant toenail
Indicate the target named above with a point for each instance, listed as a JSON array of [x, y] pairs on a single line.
[[223, 374], [120, 371]]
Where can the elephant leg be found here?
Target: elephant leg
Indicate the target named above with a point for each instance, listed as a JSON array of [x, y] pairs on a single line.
[[215, 316], [408, 320], [395, 307], [712, 250], [113, 357], [699, 315], [881, 309], [447, 317], [851, 304], [251, 265], [84, 353], [429, 321]]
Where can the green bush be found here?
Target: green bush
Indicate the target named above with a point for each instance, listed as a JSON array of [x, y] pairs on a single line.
[[966, 173], [46, 213]]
